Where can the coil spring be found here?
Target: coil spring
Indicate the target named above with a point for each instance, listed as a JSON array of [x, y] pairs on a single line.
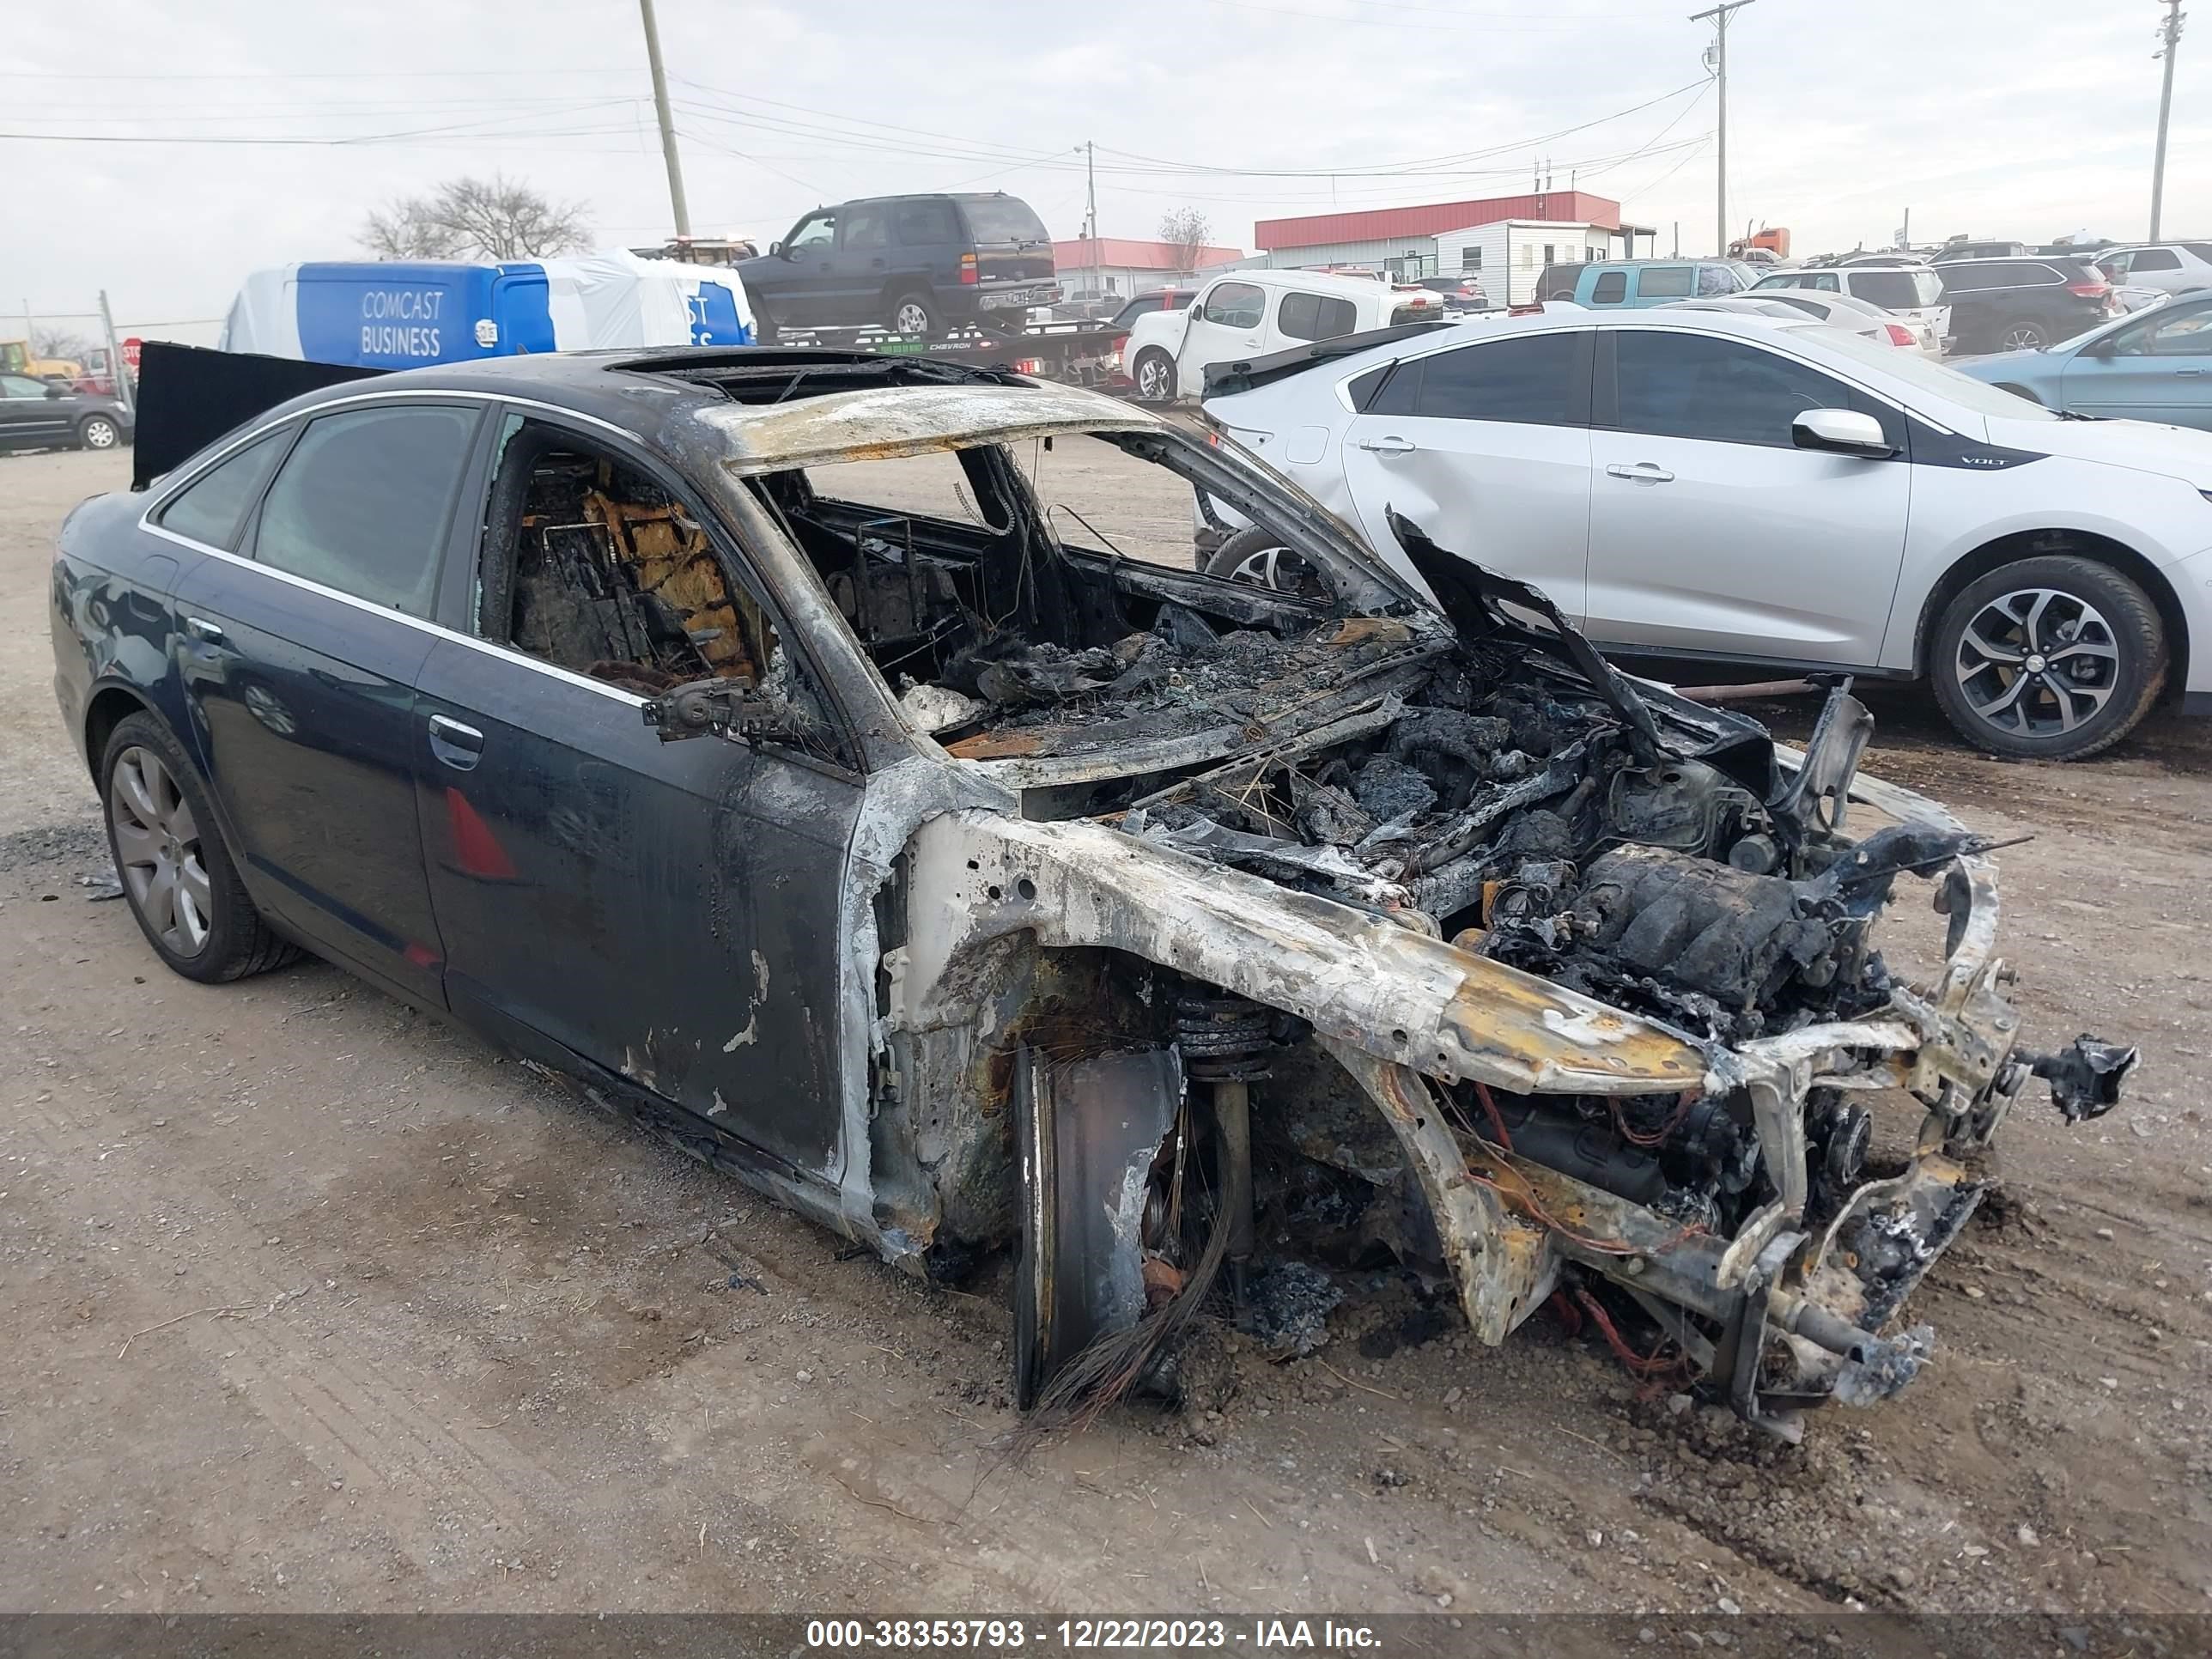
[[1225, 1039]]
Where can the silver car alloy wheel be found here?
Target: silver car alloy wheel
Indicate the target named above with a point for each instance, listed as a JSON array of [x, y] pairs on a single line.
[[1153, 380], [1263, 566], [2038, 662], [912, 318], [100, 433], [2023, 336], [157, 852]]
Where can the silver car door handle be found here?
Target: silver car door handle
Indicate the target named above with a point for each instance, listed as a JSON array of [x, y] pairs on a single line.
[[205, 632], [1641, 473], [1390, 446], [2188, 371], [453, 732]]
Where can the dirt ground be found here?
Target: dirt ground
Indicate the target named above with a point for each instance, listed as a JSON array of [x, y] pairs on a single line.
[[313, 1303]]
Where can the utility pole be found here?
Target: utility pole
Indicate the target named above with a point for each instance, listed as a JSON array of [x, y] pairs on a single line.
[[123, 393], [2170, 34], [1720, 16], [667, 126], [1091, 212]]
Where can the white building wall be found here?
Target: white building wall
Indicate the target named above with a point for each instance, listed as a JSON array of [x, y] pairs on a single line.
[[1375, 251]]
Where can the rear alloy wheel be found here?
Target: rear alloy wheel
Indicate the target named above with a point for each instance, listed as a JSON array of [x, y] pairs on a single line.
[[1255, 555], [1154, 376], [913, 315], [98, 431], [2049, 659], [2022, 335], [177, 874]]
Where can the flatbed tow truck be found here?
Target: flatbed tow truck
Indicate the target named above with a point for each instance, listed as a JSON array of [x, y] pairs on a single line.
[[1082, 352]]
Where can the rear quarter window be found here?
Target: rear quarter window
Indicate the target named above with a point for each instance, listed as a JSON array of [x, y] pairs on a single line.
[[1898, 290], [212, 509], [1663, 283], [926, 224]]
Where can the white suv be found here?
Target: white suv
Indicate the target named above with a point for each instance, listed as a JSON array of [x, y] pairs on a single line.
[[1913, 293], [2169, 267], [1693, 485], [1252, 313]]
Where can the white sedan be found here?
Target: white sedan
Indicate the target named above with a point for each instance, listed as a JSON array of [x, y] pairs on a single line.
[[1853, 315], [1690, 485]]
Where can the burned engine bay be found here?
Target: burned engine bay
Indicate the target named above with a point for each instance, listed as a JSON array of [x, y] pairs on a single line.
[[1332, 936]]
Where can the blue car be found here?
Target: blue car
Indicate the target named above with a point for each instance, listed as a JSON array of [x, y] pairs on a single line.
[[2153, 365]]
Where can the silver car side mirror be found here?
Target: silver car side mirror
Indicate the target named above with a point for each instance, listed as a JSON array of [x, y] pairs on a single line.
[[1841, 431]]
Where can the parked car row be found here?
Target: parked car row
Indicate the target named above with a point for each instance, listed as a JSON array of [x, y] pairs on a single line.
[[1756, 491]]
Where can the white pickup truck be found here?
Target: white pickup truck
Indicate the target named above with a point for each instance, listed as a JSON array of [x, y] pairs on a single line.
[[1249, 314]]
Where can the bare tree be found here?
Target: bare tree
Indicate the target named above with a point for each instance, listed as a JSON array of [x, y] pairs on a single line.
[[498, 218], [66, 344], [1185, 229]]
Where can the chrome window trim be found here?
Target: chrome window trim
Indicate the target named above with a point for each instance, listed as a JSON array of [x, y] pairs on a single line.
[[413, 394], [506, 653]]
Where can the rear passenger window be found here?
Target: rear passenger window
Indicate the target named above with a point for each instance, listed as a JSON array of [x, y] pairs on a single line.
[[362, 502], [1663, 283], [1610, 289], [212, 509], [867, 226], [2156, 258], [926, 224], [1315, 316], [1542, 380]]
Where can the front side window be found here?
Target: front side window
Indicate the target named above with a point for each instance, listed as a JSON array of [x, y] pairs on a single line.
[[1716, 279], [1538, 379], [814, 234], [1315, 316], [1663, 283], [2187, 335], [2198, 251], [1610, 289], [1690, 385], [213, 508], [362, 502], [1235, 305]]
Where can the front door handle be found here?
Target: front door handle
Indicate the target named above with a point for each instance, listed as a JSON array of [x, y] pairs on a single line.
[[458, 745], [2188, 371], [205, 632], [1641, 473], [1389, 446]]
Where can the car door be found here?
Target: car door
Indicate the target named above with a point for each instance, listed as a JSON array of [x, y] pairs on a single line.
[[1486, 447], [803, 295], [1710, 530], [298, 658], [28, 415], [668, 911], [859, 268], [2157, 369], [1228, 324]]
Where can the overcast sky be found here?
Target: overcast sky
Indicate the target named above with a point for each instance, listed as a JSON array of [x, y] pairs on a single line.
[[2025, 119]]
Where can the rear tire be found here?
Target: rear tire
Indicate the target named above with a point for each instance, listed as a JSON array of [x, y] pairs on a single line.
[[2049, 658], [2022, 334], [916, 314], [1153, 374], [178, 877], [98, 431]]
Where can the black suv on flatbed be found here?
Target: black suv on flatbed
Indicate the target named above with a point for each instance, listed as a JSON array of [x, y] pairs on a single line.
[[914, 265]]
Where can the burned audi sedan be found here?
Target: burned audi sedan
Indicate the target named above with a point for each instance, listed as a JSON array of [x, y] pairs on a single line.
[[955, 874]]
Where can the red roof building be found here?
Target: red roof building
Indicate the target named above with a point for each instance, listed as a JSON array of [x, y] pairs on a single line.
[[1383, 224]]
